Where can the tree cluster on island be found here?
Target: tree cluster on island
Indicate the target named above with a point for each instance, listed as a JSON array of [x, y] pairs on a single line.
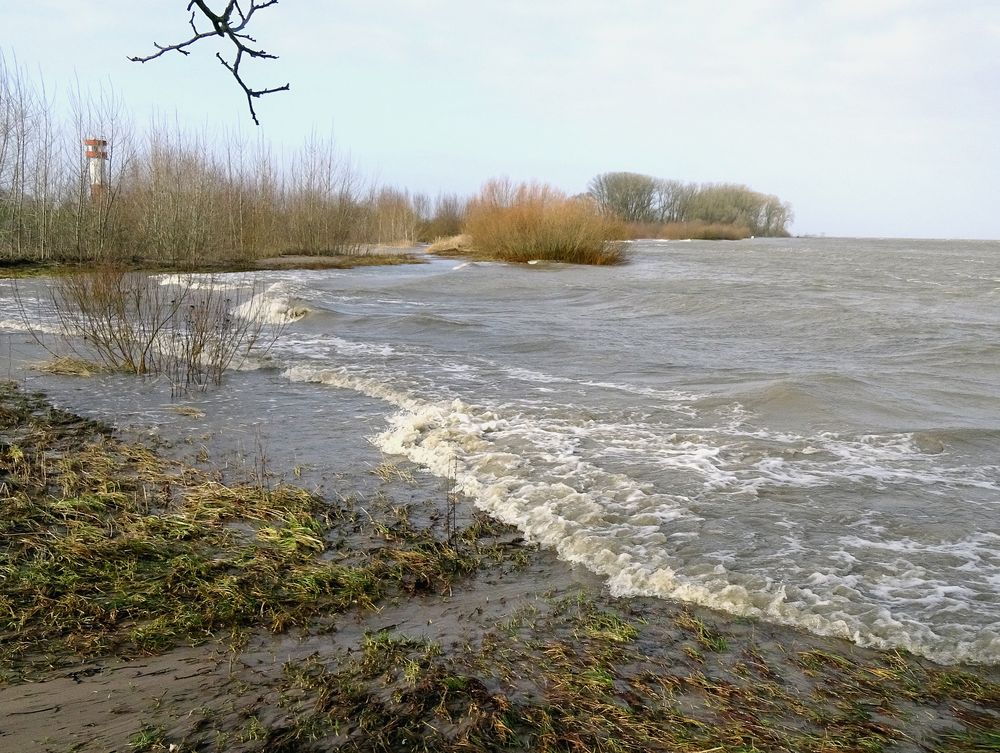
[[654, 204]]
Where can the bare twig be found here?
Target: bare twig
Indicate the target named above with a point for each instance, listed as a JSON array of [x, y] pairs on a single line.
[[230, 24]]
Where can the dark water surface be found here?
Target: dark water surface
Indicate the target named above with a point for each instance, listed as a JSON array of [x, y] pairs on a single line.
[[807, 431]]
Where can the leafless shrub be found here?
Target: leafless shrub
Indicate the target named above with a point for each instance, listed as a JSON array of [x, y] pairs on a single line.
[[185, 327], [446, 220]]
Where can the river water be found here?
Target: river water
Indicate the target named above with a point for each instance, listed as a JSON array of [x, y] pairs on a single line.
[[806, 431]]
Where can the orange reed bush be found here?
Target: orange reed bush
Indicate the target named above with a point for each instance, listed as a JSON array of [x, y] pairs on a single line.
[[529, 221], [694, 230]]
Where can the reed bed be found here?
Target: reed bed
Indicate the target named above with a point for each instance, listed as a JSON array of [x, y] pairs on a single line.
[[529, 222]]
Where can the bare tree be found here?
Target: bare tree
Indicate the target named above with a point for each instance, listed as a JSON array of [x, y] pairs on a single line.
[[231, 25], [628, 196]]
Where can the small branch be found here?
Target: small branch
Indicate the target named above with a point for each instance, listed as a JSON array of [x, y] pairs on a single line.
[[252, 94], [231, 25]]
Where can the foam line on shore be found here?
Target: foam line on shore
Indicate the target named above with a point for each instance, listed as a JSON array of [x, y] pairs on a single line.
[[534, 478]]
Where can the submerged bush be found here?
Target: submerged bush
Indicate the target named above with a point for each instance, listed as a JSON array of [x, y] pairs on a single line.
[[190, 329], [525, 222]]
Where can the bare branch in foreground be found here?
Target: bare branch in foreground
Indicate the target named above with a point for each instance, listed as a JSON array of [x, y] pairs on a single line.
[[230, 24]]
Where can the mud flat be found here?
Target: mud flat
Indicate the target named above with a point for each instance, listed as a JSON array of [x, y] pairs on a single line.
[[146, 604], [368, 255]]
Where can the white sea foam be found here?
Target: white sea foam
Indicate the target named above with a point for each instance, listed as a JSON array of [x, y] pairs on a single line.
[[673, 395], [253, 362], [538, 473], [19, 324], [344, 378], [538, 377], [399, 302], [204, 282], [353, 347], [276, 305], [527, 375]]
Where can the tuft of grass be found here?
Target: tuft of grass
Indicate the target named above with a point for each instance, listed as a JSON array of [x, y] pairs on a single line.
[[187, 410], [70, 366], [455, 245], [530, 222], [389, 471], [610, 627], [148, 738], [707, 638]]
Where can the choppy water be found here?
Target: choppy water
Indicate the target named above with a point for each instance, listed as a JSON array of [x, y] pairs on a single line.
[[806, 431]]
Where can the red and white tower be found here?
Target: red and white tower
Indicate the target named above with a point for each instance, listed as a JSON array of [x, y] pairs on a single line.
[[97, 166]]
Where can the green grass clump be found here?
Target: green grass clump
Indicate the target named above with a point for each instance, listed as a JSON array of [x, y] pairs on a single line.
[[609, 626], [708, 639], [148, 738]]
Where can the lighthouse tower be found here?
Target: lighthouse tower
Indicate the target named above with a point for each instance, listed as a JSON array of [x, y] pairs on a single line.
[[97, 166]]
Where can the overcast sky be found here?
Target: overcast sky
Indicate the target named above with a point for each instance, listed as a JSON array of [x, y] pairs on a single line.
[[871, 117]]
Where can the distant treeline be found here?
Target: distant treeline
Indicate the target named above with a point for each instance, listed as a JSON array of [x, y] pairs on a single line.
[[675, 209], [173, 197]]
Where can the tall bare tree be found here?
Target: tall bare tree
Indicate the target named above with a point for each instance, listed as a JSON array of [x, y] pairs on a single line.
[[628, 196]]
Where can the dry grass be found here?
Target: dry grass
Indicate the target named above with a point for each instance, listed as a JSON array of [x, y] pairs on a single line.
[[696, 230], [527, 222], [70, 366], [455, 245], [187, 410]]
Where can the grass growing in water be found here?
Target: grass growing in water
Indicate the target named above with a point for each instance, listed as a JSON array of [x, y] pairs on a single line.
[[106, 547], [575, 688], [136, 322]]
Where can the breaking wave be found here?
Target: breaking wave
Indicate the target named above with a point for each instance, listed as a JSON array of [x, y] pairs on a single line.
[[276, 305], [538, 474]]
